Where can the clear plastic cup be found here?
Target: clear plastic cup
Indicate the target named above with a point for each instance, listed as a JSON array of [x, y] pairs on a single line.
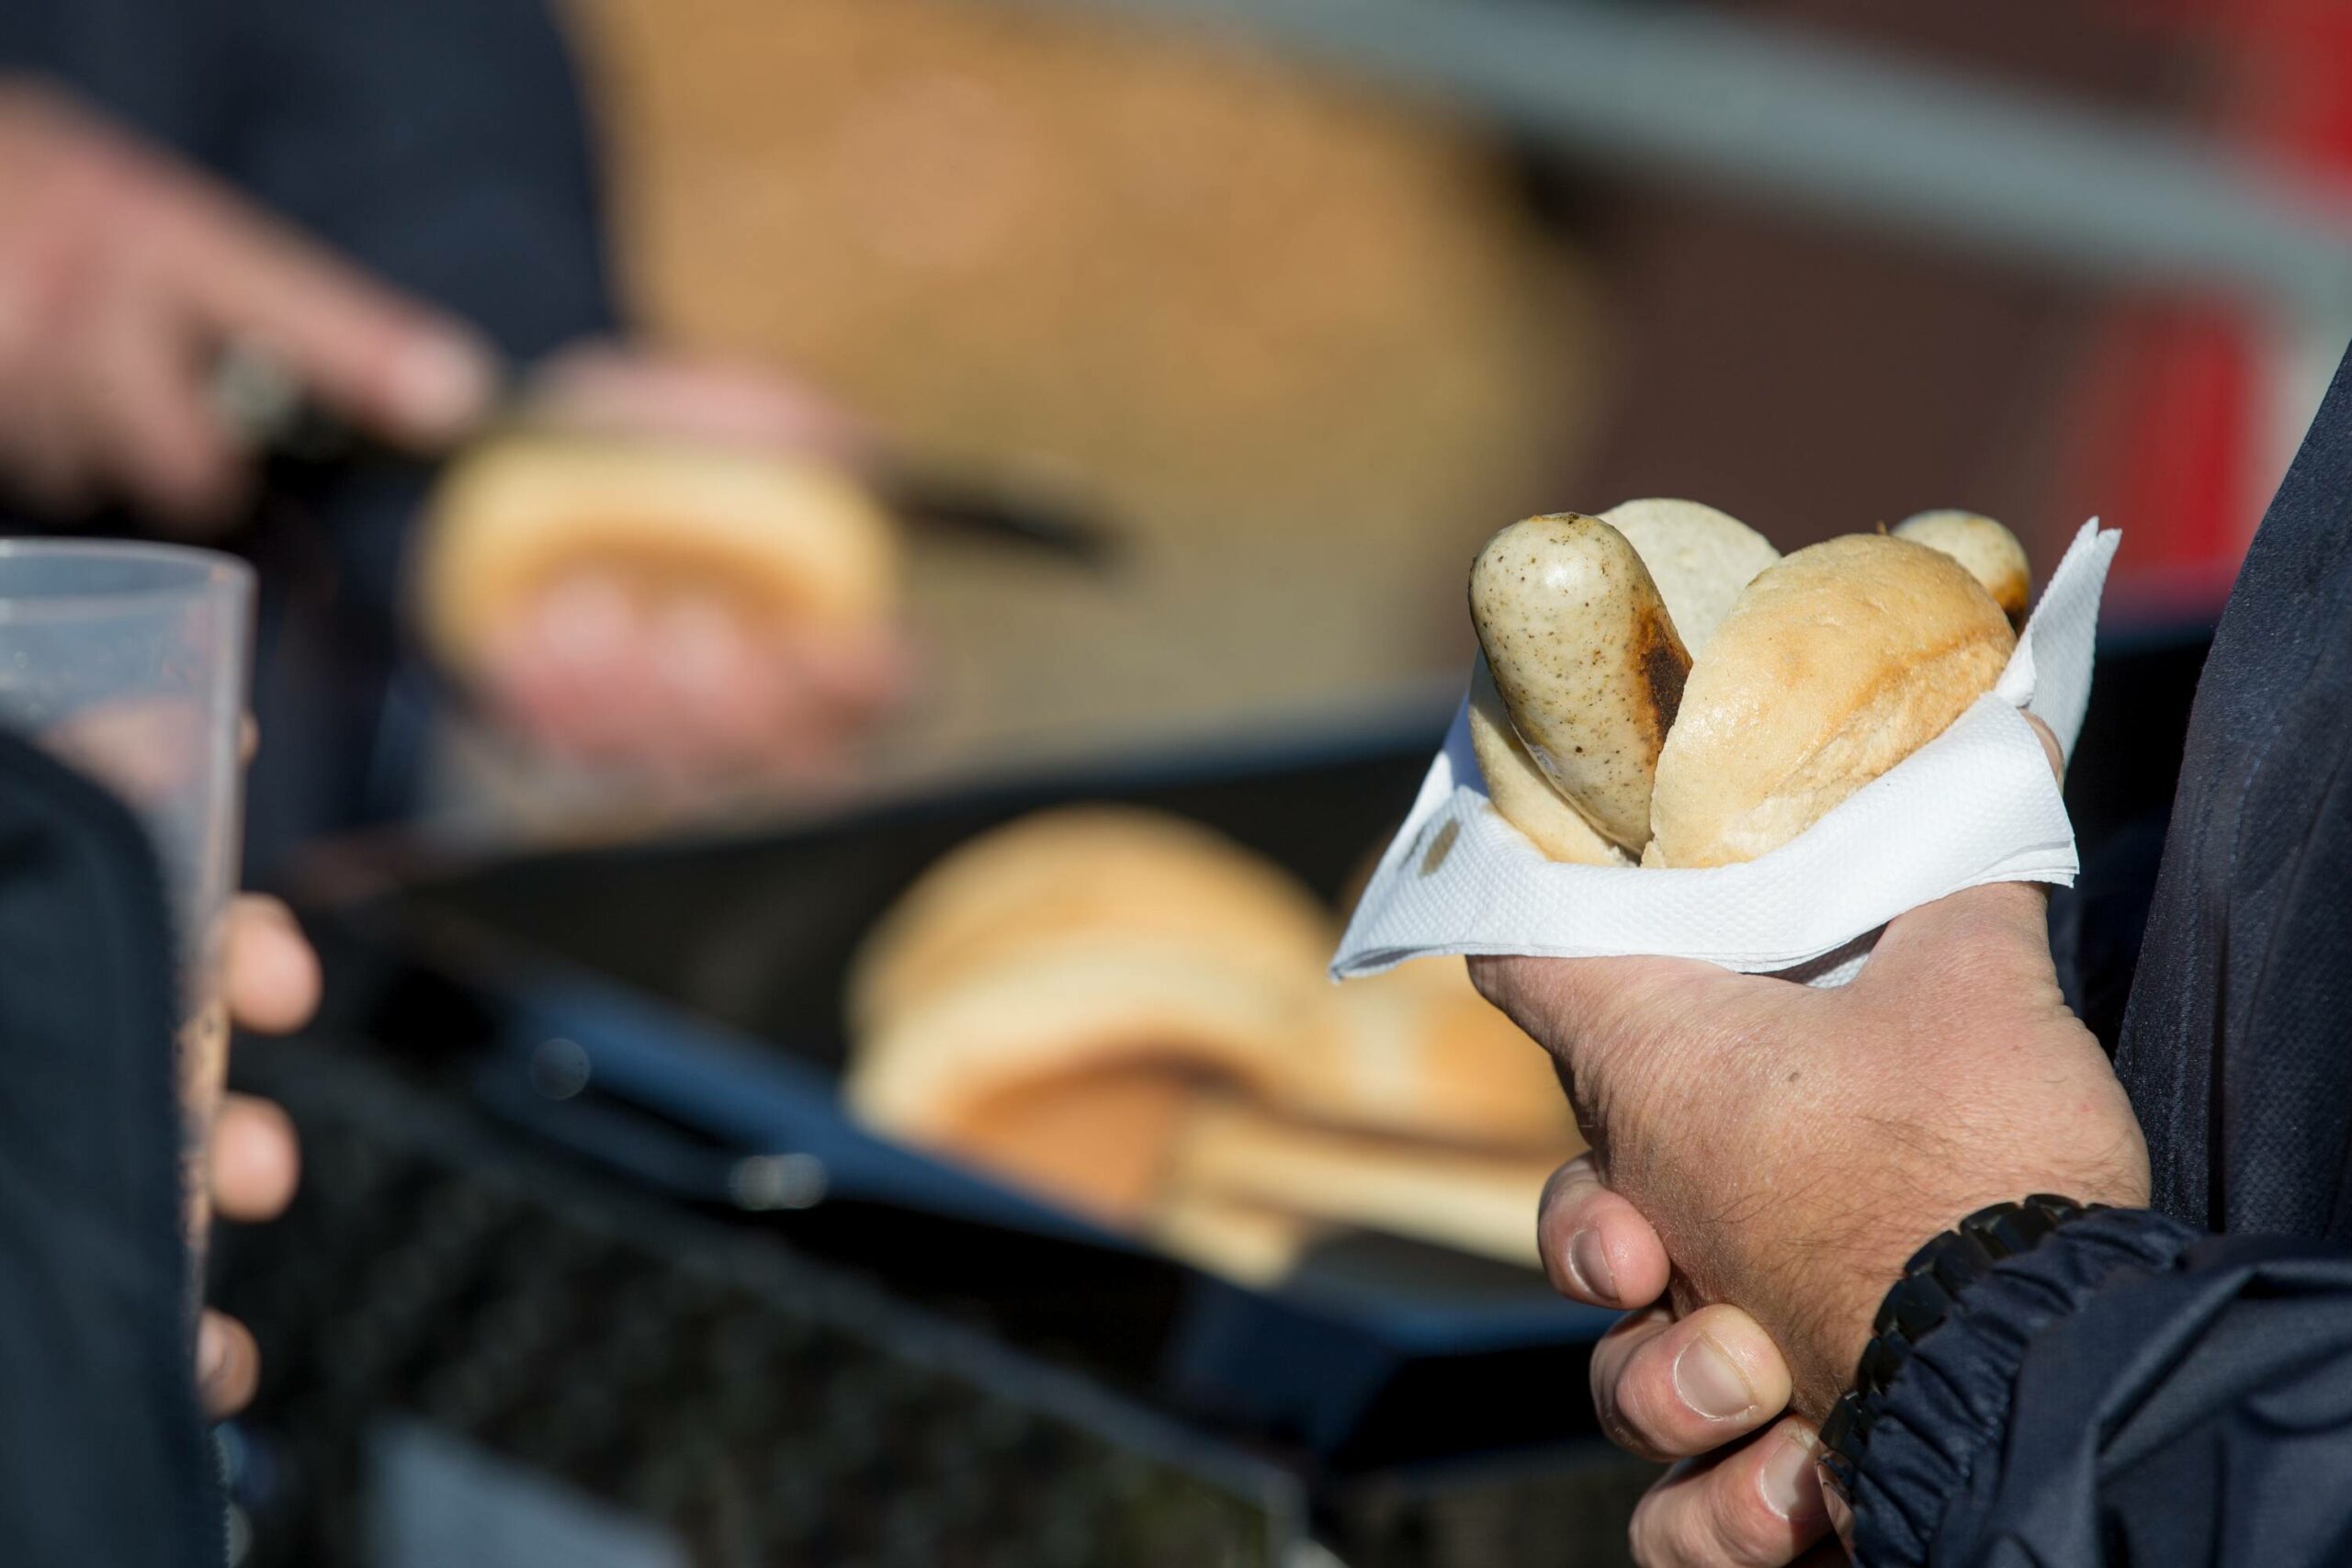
[[131, 662]]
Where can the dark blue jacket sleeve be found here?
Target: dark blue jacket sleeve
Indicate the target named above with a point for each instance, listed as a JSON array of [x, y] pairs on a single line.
[[2130, 1392]]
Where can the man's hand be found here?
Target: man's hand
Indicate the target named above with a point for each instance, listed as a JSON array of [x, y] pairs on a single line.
[[1791, 1146], [123, 275], [254, 1161], [1697, 1389], [596, 671]]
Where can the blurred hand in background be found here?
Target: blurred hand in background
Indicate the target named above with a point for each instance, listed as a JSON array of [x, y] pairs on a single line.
[[124, 271], [682, 683]]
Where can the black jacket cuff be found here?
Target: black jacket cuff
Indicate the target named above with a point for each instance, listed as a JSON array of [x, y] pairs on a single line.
[[1949, 1406]]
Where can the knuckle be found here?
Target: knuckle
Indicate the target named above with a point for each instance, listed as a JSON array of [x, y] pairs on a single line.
[[1666, 1531], [1646, 1532], [1624, 1421], [1742, 1530], [1619, 1431], [1496, 979]]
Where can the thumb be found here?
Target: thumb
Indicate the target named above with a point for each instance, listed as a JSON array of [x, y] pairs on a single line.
[[2003, 923], [2050, 749]]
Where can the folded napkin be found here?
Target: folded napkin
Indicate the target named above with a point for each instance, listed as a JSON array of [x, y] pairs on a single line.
[[1975, 804]]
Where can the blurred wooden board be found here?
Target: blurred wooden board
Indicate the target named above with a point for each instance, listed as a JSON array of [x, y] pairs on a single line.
[[1306, 342]]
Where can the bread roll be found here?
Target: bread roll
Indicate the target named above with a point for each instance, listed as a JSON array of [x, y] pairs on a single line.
[[1422, 1053], [1587, 660], [1519, 789], [1060, 1001], [1080, 873], [1051, 1000], [1835, 665], [1699, 557], [1242, 1241], [787, 538], [1990, 552], [1072, 1070], [1482, 1200]]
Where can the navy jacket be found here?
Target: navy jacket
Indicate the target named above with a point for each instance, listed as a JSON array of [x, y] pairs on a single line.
[[103, 1453], [2140, 1389]]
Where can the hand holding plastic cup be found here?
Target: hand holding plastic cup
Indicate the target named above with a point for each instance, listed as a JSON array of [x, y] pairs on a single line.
[[130, 663]]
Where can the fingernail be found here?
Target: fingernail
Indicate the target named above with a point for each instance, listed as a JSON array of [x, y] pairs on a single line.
[[1711, 1382], [1589, 1261], [212, 1352], [442, 383], [1787, 1481]]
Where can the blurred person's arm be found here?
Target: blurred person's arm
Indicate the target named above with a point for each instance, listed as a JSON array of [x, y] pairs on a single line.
[[440, 146], [444, 145], [125, 271]]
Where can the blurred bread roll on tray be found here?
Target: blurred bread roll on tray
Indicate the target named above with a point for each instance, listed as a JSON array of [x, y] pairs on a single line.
[[1125, 1012]]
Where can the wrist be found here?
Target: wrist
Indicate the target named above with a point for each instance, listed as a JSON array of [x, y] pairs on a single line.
[[1927, 1294], [1882, 1254]]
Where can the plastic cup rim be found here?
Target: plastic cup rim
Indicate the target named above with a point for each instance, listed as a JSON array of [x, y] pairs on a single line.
[[205, 570]]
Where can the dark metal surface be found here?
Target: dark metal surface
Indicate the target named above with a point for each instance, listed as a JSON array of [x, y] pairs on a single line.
[[687, 997], [523, 1226], [752, 1407]]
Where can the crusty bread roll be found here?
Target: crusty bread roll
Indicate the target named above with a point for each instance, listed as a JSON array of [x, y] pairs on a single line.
[[1080, 873], [1422, 1053], [1479, 1200], [1252, 1243], [1990, 552], [1072, 1069], [786, 538], [1518, 788], [1051, 998], [1833, 666], [1699, 557], [1587, 659], [1058, 1001]]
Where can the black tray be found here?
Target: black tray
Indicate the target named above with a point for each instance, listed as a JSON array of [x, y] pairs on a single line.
[[671, 1014]]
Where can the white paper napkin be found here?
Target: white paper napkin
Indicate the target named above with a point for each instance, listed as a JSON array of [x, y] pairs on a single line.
[[1975, 804]]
